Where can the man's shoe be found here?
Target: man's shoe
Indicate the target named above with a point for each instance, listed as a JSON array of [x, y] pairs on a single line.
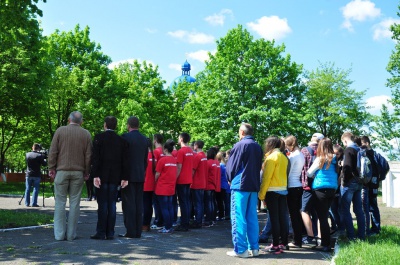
[[126, 235], [254, 253], [35, 205], [96, 236], [232, 253], [155, 227]]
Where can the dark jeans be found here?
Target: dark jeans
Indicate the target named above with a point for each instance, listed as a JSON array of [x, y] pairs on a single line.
[[35, 182], [198, 204], [375, 214], [106, 212], [158, 218], [209, 205], [167, 210], [132, 207], [294, 204], [183, 191], [324, 198], [278, 211], [147, 207], [335, 214], [222, 204], [352, 194]]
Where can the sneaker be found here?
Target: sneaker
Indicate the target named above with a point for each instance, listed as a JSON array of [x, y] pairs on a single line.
[[284, 247], [274, 249], [294, 245], [232, 253], [174, 224], [165, 231], [155, 227], [321, 248], [254, 253], [310, 241]]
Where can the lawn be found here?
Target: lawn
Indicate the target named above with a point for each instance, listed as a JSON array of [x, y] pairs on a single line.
[[382, 249], [18, 188], [20, 218]]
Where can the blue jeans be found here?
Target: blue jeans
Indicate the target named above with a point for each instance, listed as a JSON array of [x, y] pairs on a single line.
[[352, 194], [107, 210], [167, 210], [158, 218], [183, 191], [365, 204], [35, 182], [198, 203], [209, 206], [244, 220], [375, 214], [266, 231]]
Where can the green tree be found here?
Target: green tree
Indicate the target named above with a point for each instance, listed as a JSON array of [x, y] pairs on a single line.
[[80, 80], [144, 96], [387, 128], [332, 106], [246, 80], [22, 69]]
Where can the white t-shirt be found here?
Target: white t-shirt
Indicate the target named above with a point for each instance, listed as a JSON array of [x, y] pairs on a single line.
[[296, 166]]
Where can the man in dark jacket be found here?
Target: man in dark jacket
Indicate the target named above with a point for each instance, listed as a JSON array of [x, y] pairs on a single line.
[[350, 189], [34, 160], [109, 169], [132, 195], [243, 172]]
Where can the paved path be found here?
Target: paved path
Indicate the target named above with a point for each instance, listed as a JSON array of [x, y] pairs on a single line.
[[201, 246]]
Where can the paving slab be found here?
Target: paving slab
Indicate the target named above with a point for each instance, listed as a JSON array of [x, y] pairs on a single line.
[[197, 246]]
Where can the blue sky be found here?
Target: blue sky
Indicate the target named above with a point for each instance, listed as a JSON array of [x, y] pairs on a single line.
[[352, 34]]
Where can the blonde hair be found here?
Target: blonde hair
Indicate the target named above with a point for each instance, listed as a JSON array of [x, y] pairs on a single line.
[[221, 157], [325, 152]]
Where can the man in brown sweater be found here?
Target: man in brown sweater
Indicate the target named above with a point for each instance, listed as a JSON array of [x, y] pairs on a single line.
[[69, 165]]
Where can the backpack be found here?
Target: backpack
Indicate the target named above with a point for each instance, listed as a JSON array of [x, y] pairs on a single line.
[[364, 167], [383, 166]]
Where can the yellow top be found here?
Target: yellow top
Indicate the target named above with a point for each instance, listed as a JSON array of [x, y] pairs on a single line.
[[274, 177]]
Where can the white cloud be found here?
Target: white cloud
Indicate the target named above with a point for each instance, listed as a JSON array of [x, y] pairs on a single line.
[[375, 104], [271, 27], [175, 66], [200, 55], [358, 10], [192, 37], [151, 31], [219, 19], [115, 64], [382, 29]]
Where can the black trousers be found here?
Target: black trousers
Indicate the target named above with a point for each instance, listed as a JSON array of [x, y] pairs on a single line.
[[277, 207], [324, 198], [294, 204], [132, 208]]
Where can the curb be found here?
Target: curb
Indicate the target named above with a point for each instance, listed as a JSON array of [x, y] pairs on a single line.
[[26, 228]]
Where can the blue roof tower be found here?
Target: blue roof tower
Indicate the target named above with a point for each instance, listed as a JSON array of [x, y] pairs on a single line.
[[185, 75]]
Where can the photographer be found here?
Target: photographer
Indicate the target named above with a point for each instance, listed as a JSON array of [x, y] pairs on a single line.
[[34, 160]]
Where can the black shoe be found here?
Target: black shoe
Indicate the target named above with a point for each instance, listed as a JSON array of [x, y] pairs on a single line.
[[126, 235], [323, 249], [110, 237], [35, 205], [180, 228], [96, 236]]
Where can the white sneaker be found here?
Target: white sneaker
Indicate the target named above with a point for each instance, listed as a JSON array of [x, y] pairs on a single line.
[[255, 252], [232, 253]]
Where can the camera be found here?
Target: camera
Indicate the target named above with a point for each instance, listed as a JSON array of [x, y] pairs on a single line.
[[44, 152]]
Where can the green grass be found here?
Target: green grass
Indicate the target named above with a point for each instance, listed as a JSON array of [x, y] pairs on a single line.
[[18, 188], [13, 218], [382, 249]]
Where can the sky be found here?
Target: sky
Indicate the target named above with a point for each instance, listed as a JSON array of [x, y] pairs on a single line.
[[352, 34]]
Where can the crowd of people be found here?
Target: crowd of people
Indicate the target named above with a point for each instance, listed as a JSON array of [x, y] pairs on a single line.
[[302, 188]]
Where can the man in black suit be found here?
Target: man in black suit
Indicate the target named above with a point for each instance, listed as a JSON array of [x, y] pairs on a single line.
[[132, 195], [109, 169]]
